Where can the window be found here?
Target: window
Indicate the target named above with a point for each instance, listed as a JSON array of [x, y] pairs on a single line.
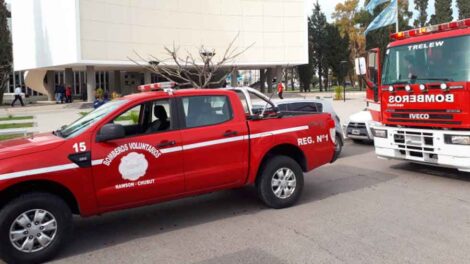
[[146, 118], [438, 60], [206, 110], [86, 121], [306, 107]]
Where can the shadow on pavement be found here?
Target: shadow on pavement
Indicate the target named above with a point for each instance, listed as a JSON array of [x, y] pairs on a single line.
[[111, 229], [433, 171], [248, 256], [352, 149]]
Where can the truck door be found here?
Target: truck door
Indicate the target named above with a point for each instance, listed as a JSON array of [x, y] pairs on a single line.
[[215, 142], [146, 164]]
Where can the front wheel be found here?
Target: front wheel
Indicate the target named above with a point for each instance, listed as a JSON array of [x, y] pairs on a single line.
[[33, 227], [280, 182]]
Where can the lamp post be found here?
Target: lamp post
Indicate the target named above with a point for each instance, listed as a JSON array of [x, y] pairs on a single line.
[[206, 57], [343, 64]]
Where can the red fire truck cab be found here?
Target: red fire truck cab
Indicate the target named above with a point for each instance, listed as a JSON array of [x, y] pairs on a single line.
[[420, 97], [147, 148]]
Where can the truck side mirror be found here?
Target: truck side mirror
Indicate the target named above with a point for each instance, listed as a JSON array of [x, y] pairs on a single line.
[[373, 72], [360, 66], [110, 132]]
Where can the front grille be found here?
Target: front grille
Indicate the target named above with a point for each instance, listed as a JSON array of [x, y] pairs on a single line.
[[356, 125], [420, 121], [415, 145]]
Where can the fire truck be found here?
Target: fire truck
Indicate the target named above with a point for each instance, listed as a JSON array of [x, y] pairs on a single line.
[[419, 97]]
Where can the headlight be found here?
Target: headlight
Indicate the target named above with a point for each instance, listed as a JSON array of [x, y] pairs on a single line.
[[391, 89], [408, 88], [443, 86], [381, 133], [457, 139]]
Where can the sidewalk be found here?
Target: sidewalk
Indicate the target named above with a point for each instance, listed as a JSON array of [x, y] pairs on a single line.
[[47, 117]]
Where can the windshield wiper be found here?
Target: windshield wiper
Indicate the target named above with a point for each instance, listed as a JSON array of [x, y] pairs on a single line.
[[435, 79]]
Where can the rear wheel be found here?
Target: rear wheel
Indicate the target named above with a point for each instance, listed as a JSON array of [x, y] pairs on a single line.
[[338, 146], [33, 227], [280, 182]]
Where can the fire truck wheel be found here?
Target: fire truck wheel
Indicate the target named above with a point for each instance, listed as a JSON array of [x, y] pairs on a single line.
[[33, 227], [280, 182]]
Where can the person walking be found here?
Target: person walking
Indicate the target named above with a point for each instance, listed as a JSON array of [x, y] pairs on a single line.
[[62, 93], [68, 94], [280, 89], [57, 94], [18, 92]]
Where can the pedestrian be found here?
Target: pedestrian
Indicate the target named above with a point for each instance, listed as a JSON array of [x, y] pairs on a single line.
[[18, 92], [280, 89], [57, 93], [62, 93], [68, 94]]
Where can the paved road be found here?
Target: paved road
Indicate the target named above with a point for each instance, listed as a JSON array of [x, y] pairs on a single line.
[[358, 210]]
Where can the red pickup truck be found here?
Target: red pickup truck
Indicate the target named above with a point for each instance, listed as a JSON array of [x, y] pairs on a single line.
[[147, 148]]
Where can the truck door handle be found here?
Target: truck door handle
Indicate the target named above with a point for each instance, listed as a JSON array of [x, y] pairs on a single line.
[[166, 143], [230, 133]]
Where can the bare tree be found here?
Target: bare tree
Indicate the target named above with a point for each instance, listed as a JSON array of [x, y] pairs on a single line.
[[198, 71]]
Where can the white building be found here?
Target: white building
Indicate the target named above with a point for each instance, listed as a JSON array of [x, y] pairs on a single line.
[[72, 40]]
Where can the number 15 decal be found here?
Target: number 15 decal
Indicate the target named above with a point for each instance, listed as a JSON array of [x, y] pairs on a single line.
[[79, 147]]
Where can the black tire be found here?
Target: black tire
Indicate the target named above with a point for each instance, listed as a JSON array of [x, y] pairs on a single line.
[[265, 178], [45, 202], [338, 146]]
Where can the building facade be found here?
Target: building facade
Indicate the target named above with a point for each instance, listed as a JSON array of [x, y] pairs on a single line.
[[91, 43]]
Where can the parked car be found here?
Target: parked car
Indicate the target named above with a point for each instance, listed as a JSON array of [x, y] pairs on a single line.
[[147, 148], [311, 106], [358, 128]]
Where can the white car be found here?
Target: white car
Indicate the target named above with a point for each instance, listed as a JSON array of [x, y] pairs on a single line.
[[358, 127], [310, 106]]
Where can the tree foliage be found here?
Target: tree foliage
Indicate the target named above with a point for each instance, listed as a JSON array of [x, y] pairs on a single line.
[[6, 57], [381, 37], [464, 8], [338, 53], [344, 15], [443, 12], [318, 35], [421, 6]]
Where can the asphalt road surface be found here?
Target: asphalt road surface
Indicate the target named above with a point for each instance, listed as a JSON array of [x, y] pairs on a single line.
[[357, 210]]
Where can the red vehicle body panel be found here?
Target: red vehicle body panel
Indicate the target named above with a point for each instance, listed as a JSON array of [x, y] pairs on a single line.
[[439, 114], [201, 160]]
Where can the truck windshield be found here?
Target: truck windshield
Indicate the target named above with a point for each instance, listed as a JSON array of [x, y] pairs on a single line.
[[442, 60], [89, 119]]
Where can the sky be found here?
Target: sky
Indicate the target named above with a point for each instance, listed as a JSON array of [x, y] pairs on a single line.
[[328, 6]]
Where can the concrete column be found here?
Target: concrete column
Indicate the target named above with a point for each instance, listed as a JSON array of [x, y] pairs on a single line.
[[286, 79], [279, 72], [269, 76], [115, 81], [69, 77], [90, 83], [147, 77], [234, 79], [262, 80], [50, 86]]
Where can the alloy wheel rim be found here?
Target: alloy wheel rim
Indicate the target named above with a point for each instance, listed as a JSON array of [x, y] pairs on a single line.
[[33, 230], [283, 183]]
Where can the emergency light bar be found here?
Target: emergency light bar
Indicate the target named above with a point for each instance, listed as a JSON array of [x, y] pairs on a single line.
[[161, 86], [465, 23]]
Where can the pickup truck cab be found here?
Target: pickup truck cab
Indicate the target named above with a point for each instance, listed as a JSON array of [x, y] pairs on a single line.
[[146, 148]]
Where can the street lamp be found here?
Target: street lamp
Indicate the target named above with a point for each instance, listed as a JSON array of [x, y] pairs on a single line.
[[343, 64]]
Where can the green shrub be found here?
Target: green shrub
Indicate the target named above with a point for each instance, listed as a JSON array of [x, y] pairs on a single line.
[[338, 92]]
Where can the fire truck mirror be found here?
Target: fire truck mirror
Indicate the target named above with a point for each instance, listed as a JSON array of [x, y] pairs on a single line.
[[360, 66]]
